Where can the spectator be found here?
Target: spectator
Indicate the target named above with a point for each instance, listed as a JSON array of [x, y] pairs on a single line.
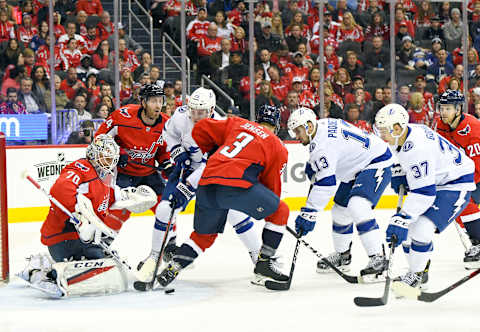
[[238, 40], [418, 112], [378, 95], [28, 60], [144, 79], [265, 56], [84, 135], [101, 112], [169, 91], [233, 73], [353, 65], [404, 96], [71, 83], [431, 57], [245, 82], [12, 105], [58, 30], [291, 105], [453, 30], [107, 100], [341, 82], [267, 40], [387, 95], [221, 59], [377, 28], [331, 110], [352, 115], [298, 68], [131, 44], [424, 15], [81, 21], [198, 27], [64, 9], [61, 98], [40, 81], [40, 39], [350, 30], [177, 90], [435, 30], [277, 26], [11, 79], [105, 91], [145, 65], [366, 15], [70, 55], [79, 103], [26, 30], [105, 26], [91, 7], [445, 81], [85, 68], [71, 33], [401, 21], [238, 15], [402, 33], [297, 20], [154, 74], [134, 98], [278, 84], [91, 40], [4, 6], [128, 56], [378, 58], [27, 8], [7, 29], [126, 84], [93, 89], [441, 68], [295, 38], [405, 55], [420, 85], [288, 13], [340, 10], [225, 29], [32, 102], [102, 58], [266, 96]]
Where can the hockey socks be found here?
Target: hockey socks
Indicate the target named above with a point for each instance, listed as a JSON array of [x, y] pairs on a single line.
[[159, 229], [271, 241], [473, 229]]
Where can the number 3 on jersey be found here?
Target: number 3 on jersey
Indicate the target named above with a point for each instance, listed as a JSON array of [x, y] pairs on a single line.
[[242, 141]]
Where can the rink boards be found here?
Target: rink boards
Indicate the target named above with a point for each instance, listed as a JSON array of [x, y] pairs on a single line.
[[45, 163]]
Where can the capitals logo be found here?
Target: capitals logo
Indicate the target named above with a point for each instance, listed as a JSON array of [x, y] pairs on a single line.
[[104, 205], [465, 131]]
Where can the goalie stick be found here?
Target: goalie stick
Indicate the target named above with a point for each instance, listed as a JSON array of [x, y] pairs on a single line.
[[75, 221], [275, 285], [379, 301]]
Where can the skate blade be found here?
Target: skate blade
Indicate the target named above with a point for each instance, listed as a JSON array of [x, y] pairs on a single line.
[[344, 268], [402, 290], [472, 265], [53, 294], [373, 278], [259, 280]]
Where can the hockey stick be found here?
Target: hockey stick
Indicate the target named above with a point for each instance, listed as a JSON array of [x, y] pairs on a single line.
[[346, 277], [75, 221], [379, 301], [275, 285], [467, 244], [146, 286], [430, 297]]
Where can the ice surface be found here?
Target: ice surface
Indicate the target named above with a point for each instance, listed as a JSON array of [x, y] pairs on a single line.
[[216, 294]]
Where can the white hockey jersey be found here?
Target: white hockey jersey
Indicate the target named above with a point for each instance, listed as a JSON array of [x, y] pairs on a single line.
[[178, 131], [431, 163], [338, 152]]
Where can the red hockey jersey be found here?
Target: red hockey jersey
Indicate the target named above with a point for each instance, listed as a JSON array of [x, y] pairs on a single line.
[[246, 153], [143, 143], [465, 136], [78, 177]]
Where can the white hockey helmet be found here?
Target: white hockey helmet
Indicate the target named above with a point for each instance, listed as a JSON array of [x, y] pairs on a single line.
[[201, 104], [390, 115], [301, 117], [103, 153]]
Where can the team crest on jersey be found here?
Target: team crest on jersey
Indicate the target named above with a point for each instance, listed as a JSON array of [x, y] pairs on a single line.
[[104, 205], [124, 112], [465, 131], [312, 147], [82, 167], [407, 146]]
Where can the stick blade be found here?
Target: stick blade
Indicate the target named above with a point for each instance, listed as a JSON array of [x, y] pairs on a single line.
[[278, 286], [369, 301], [141, 286]]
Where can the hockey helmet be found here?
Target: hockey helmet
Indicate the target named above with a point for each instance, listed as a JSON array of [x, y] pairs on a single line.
[[302, 117], [269, 114], [388, 116], [201, 104], [103, 153], [151, 90]]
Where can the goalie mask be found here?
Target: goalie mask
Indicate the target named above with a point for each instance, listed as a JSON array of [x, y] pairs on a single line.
[[103, 154], [201, 104]]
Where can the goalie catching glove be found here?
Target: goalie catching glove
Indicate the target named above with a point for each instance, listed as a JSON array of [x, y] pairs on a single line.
[[136, 200]]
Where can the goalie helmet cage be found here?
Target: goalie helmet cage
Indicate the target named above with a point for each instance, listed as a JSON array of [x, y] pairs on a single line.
[[3, 213]]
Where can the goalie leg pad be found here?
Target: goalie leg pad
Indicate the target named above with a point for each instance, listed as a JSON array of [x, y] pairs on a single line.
[[91, 277]]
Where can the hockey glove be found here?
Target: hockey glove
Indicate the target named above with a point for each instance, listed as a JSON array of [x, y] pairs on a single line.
[[399, 178], [166, 167], [86, 231], [305, 221], [398, 227], [122, 160], [182, 195], [180, 156]]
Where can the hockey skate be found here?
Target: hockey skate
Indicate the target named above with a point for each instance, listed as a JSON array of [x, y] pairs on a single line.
[[169, 273], [340, 260], [39, 262], [472, 256], [411, 284], [48, 286], [374, 271], [170, 250], [267, 269]]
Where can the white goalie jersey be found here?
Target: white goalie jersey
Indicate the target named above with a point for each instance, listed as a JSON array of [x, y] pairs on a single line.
[[178, 131], [431, 163]]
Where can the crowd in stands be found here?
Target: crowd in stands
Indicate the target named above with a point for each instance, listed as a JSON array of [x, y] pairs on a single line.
[[356, 63], [356, 41]]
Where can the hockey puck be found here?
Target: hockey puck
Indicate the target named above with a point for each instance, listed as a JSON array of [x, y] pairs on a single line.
[[169, 290]]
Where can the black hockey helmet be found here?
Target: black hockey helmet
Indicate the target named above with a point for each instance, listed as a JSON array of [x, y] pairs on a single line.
[[150, 90]]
